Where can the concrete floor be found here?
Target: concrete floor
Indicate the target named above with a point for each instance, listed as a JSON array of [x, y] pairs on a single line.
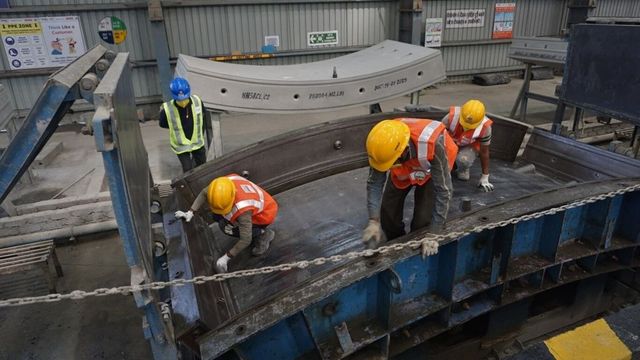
[[110, 327]]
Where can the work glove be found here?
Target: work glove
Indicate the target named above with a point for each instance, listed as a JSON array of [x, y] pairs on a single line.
[[372, 234], [187, 216], [222, 264], [228, 229], [430, 247], [484, 183]]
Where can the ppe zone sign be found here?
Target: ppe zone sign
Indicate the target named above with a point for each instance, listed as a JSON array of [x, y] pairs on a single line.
[[32, 43]]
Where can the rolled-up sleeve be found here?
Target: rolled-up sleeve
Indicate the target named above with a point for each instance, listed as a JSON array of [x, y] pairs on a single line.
[[200, 200], [441, 177], [375, 185]]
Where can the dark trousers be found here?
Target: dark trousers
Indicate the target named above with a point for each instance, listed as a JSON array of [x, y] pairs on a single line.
[[190, 160], [232, 230], [392, 208]]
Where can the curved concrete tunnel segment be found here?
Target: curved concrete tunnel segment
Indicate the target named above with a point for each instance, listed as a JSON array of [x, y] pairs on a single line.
[[369, 76]]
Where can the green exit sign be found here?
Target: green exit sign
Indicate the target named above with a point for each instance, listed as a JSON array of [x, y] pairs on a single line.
[[318, 38]]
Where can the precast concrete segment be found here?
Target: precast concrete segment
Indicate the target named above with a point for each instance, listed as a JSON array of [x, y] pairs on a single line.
[[545, 51], [369, 76]]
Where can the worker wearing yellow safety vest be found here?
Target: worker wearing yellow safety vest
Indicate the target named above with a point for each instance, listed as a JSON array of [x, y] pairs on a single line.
[[471, 130], [184, 116]]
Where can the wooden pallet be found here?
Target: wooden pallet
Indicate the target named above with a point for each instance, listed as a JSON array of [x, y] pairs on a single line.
[[22, 268]]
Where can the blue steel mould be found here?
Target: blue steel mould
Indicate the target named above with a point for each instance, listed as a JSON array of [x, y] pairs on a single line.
[[115, 110], [471, 276], [59, 93]]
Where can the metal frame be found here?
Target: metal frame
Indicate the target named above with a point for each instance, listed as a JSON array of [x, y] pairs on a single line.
[[59, 93], [295, 321], [313, 319], [118, 138], [531, 51]]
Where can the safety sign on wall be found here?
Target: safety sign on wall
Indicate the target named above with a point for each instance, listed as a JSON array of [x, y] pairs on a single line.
[[465, 18], [503, 21], [433, 32], [112, 30], [318, 38], [32, 43]]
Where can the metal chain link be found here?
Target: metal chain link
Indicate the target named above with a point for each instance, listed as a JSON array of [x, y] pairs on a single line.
[[428, 244]]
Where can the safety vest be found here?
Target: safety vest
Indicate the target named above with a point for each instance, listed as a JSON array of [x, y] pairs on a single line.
[[251, 197], [468, 137], [417, 171], [179, 142]]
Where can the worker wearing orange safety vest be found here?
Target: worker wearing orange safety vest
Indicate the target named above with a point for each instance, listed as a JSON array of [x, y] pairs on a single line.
[[471, 130], [417, 153], [242, 209]]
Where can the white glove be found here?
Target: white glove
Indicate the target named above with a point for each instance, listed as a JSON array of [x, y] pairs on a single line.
[[372, 234], [228, 229], [187, 216], [485, 184], [221, 264]]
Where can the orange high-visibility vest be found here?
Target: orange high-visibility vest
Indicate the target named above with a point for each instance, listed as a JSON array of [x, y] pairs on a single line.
[[251, 197], [468, 137], [424, 134]]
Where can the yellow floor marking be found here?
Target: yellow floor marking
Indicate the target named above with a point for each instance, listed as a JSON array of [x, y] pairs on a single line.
[[593, 341]]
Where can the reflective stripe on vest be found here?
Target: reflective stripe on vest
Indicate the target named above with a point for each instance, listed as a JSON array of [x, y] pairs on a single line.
[[423, 145], [417, 170], [454, 118], [179, 142], [461, 136], [240, 205]]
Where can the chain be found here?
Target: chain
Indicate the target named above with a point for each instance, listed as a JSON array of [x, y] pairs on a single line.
[[428, 244]]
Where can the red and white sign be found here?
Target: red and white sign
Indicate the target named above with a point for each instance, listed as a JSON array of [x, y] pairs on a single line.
[[503, 20]]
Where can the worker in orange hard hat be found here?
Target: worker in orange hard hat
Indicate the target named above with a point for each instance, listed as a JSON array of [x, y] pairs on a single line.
[[471, 130], [417, 153], [242, 209]]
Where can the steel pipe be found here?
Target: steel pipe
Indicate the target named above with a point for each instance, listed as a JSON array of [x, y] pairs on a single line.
[[59, 233]]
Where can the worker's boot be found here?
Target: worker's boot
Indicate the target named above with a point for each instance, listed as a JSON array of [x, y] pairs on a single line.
[[263, 242], [463, 174]]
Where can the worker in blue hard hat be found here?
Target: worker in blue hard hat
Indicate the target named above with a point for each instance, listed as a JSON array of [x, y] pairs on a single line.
[[184, 116]]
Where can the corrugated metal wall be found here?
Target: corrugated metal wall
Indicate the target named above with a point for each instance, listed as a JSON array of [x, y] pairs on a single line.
[[472, 50], [204, 31], [225, 27], [616, 8], [138, 44], [216, 30]]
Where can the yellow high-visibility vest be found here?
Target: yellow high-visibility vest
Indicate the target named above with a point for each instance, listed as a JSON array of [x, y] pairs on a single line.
[[179, 142]]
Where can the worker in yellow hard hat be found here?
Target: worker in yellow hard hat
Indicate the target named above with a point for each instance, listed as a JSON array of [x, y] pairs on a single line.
[[242, 209], [417, 153], [471, 130]]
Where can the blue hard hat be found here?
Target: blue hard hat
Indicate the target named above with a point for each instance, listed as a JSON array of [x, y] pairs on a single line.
[[180, 89]]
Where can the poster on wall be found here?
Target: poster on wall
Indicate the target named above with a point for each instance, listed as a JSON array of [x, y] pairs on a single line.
[[465, 18], [503, 21], [433, 32], [32, 43], [273, 40], [112, 30]]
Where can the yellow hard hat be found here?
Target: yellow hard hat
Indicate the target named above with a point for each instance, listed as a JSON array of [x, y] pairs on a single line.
[[221, 194], [471, 114], [386, 142]]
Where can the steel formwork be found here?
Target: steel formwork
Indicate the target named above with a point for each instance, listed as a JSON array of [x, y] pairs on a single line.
[[365, 306]]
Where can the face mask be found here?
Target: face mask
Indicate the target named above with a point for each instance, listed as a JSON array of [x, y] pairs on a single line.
[[182, 103]]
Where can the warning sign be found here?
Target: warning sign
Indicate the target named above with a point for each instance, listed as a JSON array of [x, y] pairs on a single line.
[[32, 43]]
